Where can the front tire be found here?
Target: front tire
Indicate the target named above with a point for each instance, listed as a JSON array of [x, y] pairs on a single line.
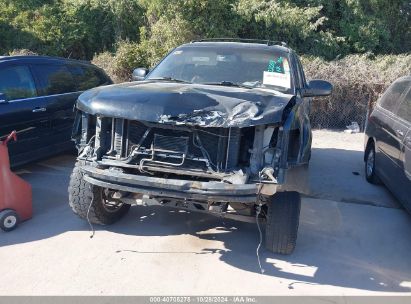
[[283, 217], [87, 198]]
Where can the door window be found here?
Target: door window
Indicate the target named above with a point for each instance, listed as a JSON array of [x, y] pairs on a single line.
[[86, 77], [404, 110], [392, 97], [16, 82], [55, 79], [104, 79]]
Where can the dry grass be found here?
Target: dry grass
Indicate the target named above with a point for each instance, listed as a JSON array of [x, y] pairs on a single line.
[[22, 52], [358, 83], [107, 62]]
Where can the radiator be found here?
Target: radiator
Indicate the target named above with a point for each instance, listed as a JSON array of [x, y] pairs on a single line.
[[219, 145]]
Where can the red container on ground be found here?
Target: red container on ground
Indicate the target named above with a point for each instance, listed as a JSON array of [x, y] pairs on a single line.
[[15, 193]]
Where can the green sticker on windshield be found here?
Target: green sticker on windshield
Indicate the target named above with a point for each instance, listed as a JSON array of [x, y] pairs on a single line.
[[276, 66], [278, 73]]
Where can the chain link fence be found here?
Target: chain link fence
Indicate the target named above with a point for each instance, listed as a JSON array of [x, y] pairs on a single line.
[[327, 115], [347, 104], [358, 83]]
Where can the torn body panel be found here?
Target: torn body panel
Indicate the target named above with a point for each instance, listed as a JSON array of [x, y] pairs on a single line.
[[186, 104]]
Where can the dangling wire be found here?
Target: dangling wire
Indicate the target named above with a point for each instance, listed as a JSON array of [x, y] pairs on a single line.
[[88, 212], [258, 226], [261, 237]]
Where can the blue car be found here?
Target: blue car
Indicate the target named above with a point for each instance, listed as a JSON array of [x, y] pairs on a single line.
[[37, 96]]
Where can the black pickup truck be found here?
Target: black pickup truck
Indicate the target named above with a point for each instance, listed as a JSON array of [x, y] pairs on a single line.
[[217, 126]]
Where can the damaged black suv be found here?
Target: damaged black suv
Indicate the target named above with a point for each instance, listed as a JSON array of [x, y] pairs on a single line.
[[217, 126]]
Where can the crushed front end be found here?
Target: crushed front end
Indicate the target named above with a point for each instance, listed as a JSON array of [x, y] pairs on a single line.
[[208, 168]]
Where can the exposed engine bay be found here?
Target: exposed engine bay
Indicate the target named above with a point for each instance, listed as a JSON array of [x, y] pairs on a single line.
[[230, 155], [249, 157]]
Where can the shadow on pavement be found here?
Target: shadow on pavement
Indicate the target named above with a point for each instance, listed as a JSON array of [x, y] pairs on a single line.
[[346, 245], [329, 251], [338, 174]]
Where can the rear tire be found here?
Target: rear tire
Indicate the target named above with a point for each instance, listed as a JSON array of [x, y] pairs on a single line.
[[283, 216], [87, 198], [370, 173], [8, 220]]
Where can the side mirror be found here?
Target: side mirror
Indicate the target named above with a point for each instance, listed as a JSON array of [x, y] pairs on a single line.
[[3, 98], [139, 74], [318, 88]]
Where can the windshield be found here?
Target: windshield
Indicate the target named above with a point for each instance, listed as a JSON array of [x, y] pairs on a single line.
[[225, 65]]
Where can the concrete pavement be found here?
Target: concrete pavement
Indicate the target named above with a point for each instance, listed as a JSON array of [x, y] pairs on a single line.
[[354, 248], [337, 171]]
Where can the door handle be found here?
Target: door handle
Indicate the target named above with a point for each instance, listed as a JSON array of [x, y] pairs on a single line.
[[400, 133], [37, 110]]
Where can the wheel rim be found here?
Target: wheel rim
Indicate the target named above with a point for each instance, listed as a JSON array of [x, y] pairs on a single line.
[[110, 204], [10, 221], [370, 162]]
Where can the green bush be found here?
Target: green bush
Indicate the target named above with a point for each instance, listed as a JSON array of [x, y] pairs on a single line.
[[325, 28], [120, 65], [69, 28]]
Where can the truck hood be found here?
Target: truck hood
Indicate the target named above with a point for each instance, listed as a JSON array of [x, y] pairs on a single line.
[[186, 104]]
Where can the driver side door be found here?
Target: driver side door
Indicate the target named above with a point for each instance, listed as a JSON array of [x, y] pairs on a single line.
[[305, 108], [21, 110]]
